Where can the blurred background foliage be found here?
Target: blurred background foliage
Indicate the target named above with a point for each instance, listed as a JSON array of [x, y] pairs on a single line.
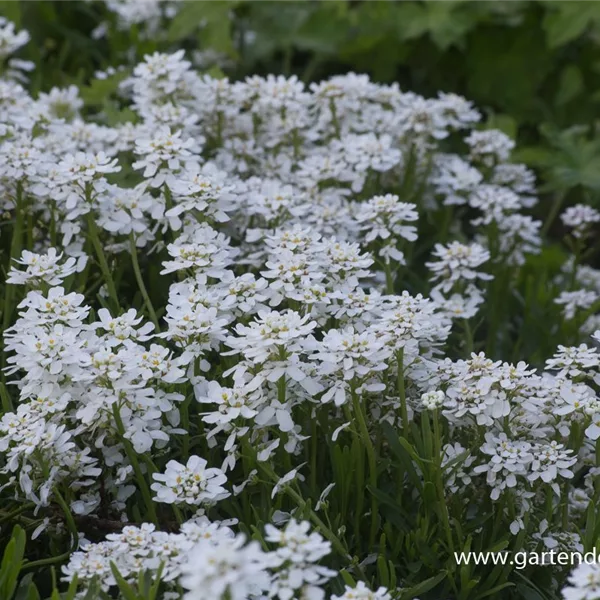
[[532, 67]]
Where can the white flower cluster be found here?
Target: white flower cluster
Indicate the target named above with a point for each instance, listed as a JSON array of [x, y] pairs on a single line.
[[143, 548], [284, 224], [209, 561]]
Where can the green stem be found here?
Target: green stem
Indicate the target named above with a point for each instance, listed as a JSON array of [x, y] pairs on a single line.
[[447, 221], [437, 441], [288, 53], [34, 564], [108, 279], [468, 337], [144, 489], [177, 514], [9, 516], [389, 278], [358, 470], [281, 389], [401, 391], [299, 500], [334, 118], [565, 506], [140, 281], [69, 518], [314, 449], [15, 252], [359, 413], [53, 225], [554, 210], [29, 230], [185, 423]]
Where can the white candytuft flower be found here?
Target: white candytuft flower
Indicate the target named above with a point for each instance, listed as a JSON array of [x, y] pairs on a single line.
[[191, 483]]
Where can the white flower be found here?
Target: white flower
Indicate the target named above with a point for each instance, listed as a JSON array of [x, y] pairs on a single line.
[[574, 302], [232, 403], [61, 103], [231, 567], [270, 334], [574, 361], [189, 484], [459, 306], [297, 551], [495, 203], [432, 400], [347, 358], [164, 149], [454, 178], [293, 474], [580, 218], [10, 40], [458, 263], [551, 461], [84, 167], [584, 583], [44, 268], [362, 592], [202, 250], [124, 326], [489, 147], [510, 459], [456, 462], [385, 216], [143, 548]]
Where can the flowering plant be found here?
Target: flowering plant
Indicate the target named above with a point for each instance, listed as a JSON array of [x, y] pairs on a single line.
[[266, 340]]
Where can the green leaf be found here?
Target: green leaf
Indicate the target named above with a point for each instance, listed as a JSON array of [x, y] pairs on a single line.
[[94, 591], [348, 579], [27, 589], [448, 23], [528, 590], [325, 30], [506, 68], [504, 123], [217, 36], [12, 561], [6, 568], [401, 454], [7, 405], [570, 85], [411, 20], [12, 11], [383, 571], [572, 160], [429, 494], [99, 90], [153, 594], [399, 516], [568, 20], [125, 589], [494, 590], [589, 537], [423, 587], [212, 18]]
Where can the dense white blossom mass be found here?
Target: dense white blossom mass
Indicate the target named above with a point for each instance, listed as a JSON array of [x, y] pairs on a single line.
[[283, 223]]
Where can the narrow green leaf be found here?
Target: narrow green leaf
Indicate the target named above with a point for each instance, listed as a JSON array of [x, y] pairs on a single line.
[[348, 579], [125, 589], [494, 590], [7, 405], [423, 587]]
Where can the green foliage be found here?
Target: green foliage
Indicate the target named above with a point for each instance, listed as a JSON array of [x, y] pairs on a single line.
[[147, 588], [10, 569], [533, 66], [538, 62]]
